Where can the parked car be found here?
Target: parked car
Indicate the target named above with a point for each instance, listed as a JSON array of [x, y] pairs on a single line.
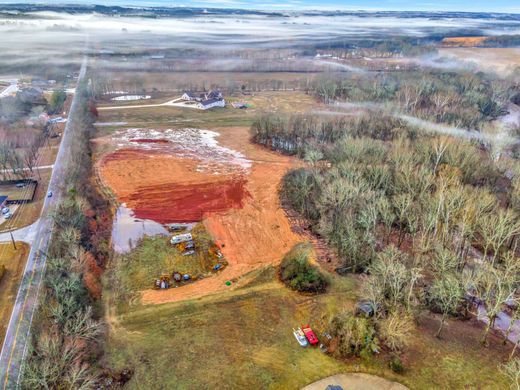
[[49, 194], [365, 308], [8, 215], [5, 210]]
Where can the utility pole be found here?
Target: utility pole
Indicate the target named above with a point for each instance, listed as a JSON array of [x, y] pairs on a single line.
[[12, 239]]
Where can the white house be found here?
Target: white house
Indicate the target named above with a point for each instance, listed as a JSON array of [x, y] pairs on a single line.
[[210, 103], [189, 96]]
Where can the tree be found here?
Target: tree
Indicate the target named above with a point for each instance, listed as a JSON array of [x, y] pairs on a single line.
[[512, 370], [494, 286], [392, 281], [395, 330], [446, 294], [57, 100], [496, 229]]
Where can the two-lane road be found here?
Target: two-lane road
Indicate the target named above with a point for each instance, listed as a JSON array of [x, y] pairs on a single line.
[[17, 335]]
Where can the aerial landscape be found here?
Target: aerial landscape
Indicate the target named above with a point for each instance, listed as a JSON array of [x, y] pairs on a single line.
[[231, 195]]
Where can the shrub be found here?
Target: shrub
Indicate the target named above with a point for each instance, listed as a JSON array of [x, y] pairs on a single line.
[[396, 364], [297, 273], [2, 271], [356, 336]]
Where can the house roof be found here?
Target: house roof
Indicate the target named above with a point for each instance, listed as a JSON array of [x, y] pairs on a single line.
[[190, 93], [209, 101], [214, 94]]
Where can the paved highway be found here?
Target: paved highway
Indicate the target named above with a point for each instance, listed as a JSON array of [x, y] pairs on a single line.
[[17, 335]]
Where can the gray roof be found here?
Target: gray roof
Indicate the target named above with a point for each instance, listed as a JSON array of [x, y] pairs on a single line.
[[209, 101]]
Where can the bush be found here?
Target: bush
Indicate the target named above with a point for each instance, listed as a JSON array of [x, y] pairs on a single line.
[[297, 273], [2, 271], [396, 364], [355, 336]]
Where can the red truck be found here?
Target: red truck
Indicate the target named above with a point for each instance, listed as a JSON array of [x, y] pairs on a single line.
[[307, 331]]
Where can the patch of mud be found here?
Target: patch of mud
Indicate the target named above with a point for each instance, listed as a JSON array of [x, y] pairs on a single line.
[[198, 144], [175, 175], [127, 231], [173, 202]]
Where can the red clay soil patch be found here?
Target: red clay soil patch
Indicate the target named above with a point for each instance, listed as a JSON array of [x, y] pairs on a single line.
[[253, 236], [173, 202], [166, 188]]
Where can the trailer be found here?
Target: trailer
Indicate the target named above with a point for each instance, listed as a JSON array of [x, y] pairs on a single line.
[[313, 340], [181, 238]]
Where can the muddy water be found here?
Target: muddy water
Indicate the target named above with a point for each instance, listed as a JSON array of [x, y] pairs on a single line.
[[127, 230]]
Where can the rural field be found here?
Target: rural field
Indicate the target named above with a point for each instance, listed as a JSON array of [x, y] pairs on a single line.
[[168, 172], [236, 198]]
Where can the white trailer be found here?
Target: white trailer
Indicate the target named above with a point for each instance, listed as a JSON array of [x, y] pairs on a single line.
[[181, 238]]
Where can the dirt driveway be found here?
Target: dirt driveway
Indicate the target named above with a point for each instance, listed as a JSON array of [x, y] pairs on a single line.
[[356, 381]]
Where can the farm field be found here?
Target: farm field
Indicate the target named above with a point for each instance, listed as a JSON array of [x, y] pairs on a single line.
[[166, 83], [14, 262], [245, 340], [164, 117]]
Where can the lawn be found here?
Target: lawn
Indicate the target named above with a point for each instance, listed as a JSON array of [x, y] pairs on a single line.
[[282, 102], [14, 262], [242, 339]]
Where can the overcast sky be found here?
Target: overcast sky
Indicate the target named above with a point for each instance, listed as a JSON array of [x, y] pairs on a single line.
[[509, 6]]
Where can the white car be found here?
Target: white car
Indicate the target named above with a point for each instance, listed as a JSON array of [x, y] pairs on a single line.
[[5, 210], [49, 194], [7, 216]]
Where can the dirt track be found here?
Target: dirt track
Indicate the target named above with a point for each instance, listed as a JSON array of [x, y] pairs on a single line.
[[248, 223]]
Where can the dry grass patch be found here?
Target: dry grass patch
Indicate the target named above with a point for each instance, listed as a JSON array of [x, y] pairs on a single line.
[[14, 262]]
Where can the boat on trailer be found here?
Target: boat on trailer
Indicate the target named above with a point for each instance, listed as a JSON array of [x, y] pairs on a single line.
[[300, 337]]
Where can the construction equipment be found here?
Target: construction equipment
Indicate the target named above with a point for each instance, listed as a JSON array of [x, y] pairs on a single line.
[[163, 282]]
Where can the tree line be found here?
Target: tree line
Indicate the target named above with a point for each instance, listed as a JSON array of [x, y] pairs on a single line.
[[431, 221], [462, 99], [67, 334]]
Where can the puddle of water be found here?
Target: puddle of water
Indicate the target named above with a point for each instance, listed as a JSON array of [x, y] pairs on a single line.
[[131, 97], [127, 230]]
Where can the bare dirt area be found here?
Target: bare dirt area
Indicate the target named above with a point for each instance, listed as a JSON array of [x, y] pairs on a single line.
[[225, 181], [463, 41]]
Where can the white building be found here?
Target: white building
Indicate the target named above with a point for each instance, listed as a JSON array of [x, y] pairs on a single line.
[[210, 103]]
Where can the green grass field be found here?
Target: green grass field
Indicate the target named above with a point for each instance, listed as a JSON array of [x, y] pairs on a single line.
[[243, 340]]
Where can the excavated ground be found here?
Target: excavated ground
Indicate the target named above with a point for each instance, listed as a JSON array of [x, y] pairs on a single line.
[[229, 183]]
